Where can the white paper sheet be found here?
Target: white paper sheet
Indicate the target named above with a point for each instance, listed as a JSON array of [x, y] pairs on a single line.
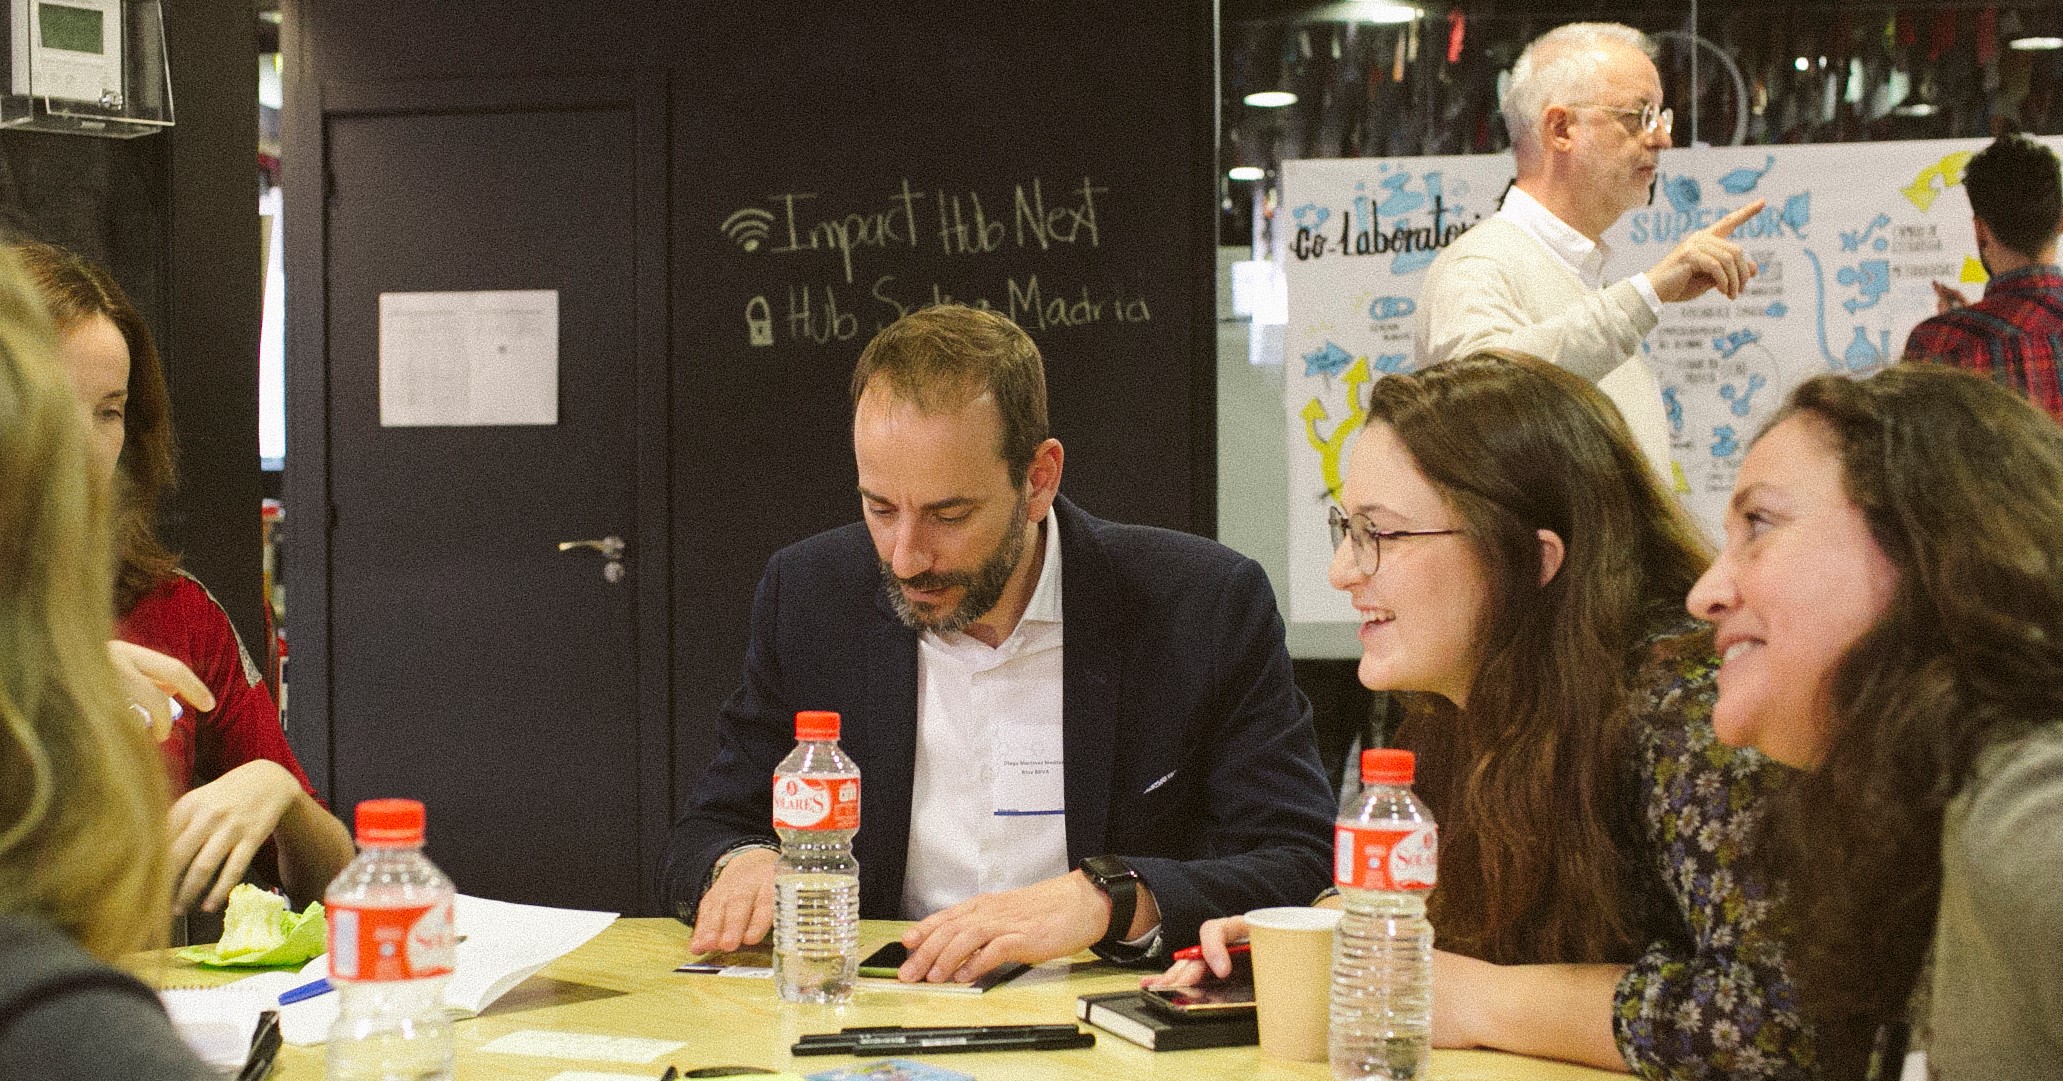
[[543, 1043], [469, 358], [217, 1022], [504, 944]]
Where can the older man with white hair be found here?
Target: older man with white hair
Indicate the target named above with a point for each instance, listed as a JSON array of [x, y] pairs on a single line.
[[1586, 119]]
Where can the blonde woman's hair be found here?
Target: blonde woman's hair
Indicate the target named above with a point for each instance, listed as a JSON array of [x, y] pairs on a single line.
[[82, 788]]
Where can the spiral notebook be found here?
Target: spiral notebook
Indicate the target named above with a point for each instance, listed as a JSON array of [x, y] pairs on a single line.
[[501, 945]]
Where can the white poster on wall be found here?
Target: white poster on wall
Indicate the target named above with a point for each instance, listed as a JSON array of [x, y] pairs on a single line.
[[472, 358], [1850, 238]]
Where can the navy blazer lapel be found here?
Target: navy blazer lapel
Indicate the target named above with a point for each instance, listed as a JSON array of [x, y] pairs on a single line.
[[889, 781], [1091, 652]]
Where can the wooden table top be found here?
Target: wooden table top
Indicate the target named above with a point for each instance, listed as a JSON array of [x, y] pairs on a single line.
[[622, 984]]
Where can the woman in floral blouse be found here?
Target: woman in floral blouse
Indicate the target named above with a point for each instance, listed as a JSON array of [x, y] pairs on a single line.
[[1518, 572]]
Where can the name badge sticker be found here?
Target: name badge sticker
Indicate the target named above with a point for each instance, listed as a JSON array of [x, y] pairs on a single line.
[[1029, 779]]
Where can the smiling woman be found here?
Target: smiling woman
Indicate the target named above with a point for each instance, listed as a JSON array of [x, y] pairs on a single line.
[[1517, 569], [1890, 601]]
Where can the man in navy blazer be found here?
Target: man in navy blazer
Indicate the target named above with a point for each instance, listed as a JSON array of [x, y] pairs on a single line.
[[1026, 794]]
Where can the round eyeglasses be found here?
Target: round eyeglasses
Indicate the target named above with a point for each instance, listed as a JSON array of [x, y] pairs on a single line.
[[1368, 539], [1647, 118]]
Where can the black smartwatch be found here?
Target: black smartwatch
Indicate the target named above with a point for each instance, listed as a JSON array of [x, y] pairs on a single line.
[[1121, 884]]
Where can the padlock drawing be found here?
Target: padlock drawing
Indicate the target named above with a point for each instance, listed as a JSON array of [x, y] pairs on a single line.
[[760, 320]]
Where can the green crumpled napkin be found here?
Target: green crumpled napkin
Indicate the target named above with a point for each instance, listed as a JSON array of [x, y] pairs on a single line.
[[259, 932]]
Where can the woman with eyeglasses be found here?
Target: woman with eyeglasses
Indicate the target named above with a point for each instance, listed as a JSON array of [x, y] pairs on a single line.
[[1889, 604], [1519, 577]]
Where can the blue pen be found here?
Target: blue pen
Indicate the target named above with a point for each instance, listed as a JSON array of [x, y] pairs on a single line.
[[305, 991]]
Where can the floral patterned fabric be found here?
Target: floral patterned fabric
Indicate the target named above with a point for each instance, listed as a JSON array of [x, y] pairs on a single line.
[[1714, 999]]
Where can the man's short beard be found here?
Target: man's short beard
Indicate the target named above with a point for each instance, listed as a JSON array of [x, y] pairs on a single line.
[[984, 585]]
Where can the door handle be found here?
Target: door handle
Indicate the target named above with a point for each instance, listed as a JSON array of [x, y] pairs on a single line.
[[611, 548]]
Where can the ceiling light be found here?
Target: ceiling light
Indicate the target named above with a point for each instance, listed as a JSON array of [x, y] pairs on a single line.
[[2029, 45], [1270, 99], [1915, 108], [1381, 12], [1801, 64], [1246, 172]]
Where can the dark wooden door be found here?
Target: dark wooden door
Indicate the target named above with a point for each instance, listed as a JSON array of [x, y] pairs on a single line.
[[511, 686]]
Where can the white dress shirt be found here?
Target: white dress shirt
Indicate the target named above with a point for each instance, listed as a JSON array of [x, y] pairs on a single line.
[[988, 807], [1584, 256]]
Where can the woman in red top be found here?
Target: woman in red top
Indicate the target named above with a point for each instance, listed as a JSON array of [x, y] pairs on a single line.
[[238, 783]]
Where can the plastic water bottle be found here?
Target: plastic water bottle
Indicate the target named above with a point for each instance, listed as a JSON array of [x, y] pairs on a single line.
[[816, 881], [1385, 862], [390, 953]]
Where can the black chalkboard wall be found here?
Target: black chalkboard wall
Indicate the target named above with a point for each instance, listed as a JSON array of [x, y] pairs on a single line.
[[830, 166]]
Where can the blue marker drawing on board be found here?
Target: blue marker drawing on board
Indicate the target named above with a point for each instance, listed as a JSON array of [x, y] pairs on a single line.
[[1871, 278], [1819, 315], [1853, 241], [1743, 180], [1391, 307], [1724, 442], [1776, 310], [1739, 400], [1330, 360], [1683, 193], [1392, 363], [1310, 216], [1400, 201], [1732, 343], [1411, 262], [1864, 355], [1797, 213], [1672, 403]]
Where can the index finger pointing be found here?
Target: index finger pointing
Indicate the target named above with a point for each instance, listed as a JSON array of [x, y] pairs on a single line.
[[1726, 225]]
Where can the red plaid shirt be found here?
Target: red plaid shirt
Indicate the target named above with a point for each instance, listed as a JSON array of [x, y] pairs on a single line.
[[2014, 335]]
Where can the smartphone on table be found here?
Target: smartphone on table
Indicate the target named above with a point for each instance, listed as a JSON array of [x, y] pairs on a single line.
[[1215, 997], [885, 962]]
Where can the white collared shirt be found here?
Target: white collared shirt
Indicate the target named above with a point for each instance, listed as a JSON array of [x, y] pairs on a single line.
[[1583, 256], [988, 803]]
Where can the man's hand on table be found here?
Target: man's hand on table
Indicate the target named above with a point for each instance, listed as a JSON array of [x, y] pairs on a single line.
[[1055, 918], [738, 908]]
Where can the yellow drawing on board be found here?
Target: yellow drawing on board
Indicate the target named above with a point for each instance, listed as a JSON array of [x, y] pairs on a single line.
[[1937, 178], [1330, 447], [1680, 484], [1973, 270]]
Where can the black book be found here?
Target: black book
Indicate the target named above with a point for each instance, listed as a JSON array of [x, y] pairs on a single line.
[[1123, 1015]]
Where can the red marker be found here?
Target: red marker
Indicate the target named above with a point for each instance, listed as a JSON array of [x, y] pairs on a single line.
[[1195, 953]]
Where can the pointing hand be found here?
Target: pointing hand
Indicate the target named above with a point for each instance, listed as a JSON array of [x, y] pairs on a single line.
[[1707, 259]]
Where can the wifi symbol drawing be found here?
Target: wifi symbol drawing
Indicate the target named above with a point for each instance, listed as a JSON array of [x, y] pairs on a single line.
[[748, 227]]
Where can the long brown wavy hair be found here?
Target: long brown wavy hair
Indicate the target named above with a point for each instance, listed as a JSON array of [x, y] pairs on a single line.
[[1961, 484], [1517, 445], [75, 291], [82, 789]]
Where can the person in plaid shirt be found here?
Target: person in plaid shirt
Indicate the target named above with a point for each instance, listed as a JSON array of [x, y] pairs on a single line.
[[2015, 334]]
